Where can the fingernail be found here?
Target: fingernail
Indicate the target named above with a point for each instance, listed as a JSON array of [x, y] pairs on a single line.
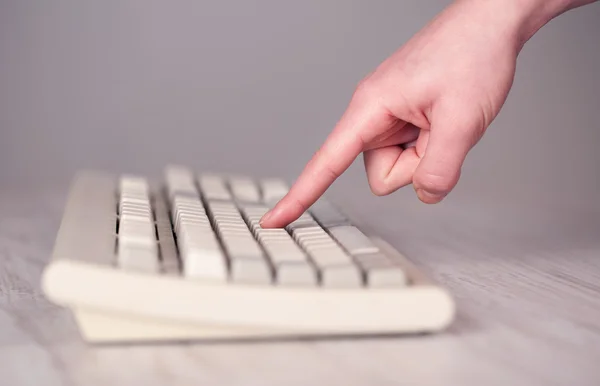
[[429, 197]]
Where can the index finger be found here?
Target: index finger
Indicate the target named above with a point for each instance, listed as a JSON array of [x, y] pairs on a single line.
[[339, 150]]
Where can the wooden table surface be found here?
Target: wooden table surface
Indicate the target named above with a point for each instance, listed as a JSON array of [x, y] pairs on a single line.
[[526, 281]]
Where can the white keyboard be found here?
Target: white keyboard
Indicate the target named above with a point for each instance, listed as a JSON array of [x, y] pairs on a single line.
[[184, 258]]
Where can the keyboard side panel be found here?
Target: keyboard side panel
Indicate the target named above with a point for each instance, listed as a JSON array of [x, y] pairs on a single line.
[[88, 229], [107, 327], [316, 310]]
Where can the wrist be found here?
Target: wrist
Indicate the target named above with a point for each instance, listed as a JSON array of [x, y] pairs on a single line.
[[515, 20], [531, 15]]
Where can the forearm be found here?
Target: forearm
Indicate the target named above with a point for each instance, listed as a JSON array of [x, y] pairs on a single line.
[[537, 13]]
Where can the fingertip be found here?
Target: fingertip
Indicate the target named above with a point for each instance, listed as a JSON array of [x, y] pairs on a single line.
[[271, 219], [265, 219], [279, 216]]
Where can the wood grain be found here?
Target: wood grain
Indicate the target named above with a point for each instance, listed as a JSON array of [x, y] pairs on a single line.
[[527, 283]]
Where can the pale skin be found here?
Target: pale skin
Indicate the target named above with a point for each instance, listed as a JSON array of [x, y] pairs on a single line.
[[418, 114]]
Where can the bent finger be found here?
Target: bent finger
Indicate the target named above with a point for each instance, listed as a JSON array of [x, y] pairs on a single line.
[[400, 133], [390, 168]]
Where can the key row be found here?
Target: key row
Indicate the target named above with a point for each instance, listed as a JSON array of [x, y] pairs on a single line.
[[245, 190], [216, 187], [137, 247], [169, 258], [242, 189], [199, 248]]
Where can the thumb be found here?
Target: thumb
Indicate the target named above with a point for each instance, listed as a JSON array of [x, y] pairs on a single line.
[[438, 171]]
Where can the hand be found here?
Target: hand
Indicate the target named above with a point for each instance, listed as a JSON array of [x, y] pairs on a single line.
[[442, 89]]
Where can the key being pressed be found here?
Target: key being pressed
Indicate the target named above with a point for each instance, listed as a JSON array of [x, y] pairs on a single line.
[[184, 257], [247, 261], [291, 264]]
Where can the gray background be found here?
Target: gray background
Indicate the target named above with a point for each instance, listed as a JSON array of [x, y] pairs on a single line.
[[256, 86]]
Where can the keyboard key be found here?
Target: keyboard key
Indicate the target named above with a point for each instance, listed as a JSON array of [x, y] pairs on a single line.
[[129, 215], [187, 208], [136, 232], [353, 240], [201, 254], [341, 276], [138, 205], [133, 202], [180, 182], [328, 255], [312, 236], [213, 187], [273, 190], [244, 189], [381, 271], [327, 214], [305, 220], [133, 184], [195, 219], [138, 258]]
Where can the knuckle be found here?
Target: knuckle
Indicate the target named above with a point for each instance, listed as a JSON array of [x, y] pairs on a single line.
[[465, 123], [379, 187], [323, 159], [331, 173], [301, 206], [365, 89], [470, 131]]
